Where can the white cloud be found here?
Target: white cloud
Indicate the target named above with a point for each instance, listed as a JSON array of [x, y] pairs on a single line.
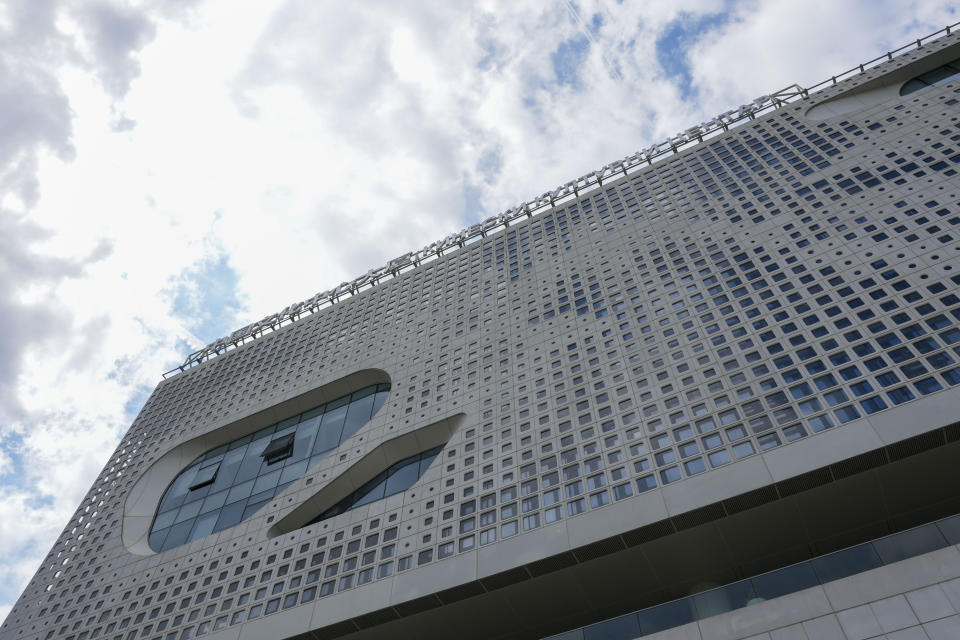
[[769, 45], [173, 170]]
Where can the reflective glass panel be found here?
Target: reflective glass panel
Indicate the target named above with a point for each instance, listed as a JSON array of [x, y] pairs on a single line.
[[232, 482], [399, 477], [941, 75]]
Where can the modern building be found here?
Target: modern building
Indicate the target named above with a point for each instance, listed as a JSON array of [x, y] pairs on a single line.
[[709, 391]]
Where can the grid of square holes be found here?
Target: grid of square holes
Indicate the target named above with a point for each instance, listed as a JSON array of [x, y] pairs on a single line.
[[775, 282]]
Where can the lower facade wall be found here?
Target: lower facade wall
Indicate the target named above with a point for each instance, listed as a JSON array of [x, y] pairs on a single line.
[[915, 599]]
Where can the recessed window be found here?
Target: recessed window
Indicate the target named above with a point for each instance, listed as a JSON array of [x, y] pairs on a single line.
[[205, 475], [232, 482], [941, 75], [280, 448], [399, 477]]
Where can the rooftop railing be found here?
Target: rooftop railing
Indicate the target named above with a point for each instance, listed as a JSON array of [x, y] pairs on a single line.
[[862, 68], [544, 202]]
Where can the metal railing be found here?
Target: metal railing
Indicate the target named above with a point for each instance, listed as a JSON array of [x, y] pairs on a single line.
[[862, 68], [546, 201]]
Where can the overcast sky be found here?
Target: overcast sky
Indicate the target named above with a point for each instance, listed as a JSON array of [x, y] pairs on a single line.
[[171, 170]]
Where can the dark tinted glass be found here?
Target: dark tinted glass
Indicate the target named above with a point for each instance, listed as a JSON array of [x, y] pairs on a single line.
[[232, 482], [908, 544], [665, 616], [846, 563], [941, 75], [790, 579], [614, 629], [950, 528], [783, 581], [399, 477]]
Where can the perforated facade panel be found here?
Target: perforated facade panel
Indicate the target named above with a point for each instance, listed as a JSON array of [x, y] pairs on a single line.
[[760, 306]]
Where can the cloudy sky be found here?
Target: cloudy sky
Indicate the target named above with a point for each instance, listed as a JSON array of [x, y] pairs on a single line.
[[171, 170]]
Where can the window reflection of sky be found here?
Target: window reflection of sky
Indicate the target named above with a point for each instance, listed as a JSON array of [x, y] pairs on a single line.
[[941, 75], [399, 477], [232, 482]]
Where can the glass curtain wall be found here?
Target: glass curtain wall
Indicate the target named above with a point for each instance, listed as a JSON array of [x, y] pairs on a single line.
[[232, 482]]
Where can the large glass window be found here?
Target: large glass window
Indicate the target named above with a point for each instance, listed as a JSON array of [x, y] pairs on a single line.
[[941, 75], [232, 482], [399, 477]]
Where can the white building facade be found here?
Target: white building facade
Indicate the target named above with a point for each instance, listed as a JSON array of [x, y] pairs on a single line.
[[714, 393]]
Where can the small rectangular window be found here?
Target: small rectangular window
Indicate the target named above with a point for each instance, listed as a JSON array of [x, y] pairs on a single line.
[[279, 449], [205, 476]]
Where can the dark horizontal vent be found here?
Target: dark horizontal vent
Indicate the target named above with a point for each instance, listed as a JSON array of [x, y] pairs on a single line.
[[952, 432], [461, 592], [551, 564], [599, 549], [418, 605], [648, 533], [375, 618], [859, 464], [804, 482], [699, 516], [505, 579], [916, 444], [750, 499], [337, 630]]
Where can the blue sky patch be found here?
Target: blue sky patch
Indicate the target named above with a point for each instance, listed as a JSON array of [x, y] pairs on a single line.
[[135, 402], [473, 208], [10, 445], [490, 164], [596, 21], [490, 54], [675, 41], [206, 297], [567, 60]]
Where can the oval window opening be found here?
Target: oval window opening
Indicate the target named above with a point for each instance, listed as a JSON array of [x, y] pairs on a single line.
[[230, 483], [941, 75], [397, 478]]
